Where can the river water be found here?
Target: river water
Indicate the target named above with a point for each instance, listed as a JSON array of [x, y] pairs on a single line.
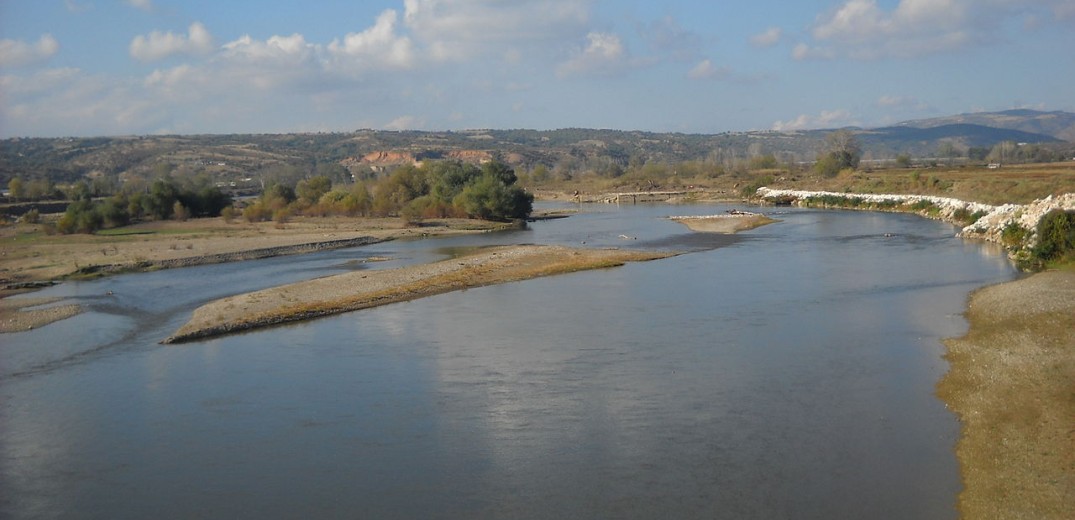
[[785, 372]]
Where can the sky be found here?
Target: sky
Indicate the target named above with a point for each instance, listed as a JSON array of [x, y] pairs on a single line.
[[136, 67]]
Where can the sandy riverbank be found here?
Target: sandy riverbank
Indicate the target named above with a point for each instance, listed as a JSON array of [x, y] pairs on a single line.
[[365, 289], [1012, 384]]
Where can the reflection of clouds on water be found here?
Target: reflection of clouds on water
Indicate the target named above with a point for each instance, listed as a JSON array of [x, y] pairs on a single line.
[[792, 372]]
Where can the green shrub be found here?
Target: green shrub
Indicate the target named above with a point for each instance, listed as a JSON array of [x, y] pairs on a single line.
[[1013, 235], [1056, 237]]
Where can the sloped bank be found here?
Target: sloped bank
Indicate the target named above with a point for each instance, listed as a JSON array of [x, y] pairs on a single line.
[[364, 289]]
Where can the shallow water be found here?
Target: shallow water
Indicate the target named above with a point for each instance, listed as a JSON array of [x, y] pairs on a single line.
[[783, 372]]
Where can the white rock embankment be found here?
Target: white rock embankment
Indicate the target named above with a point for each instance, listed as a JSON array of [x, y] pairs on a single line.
[[989, 227]]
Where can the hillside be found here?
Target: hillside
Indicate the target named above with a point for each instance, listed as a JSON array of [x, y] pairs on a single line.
[[252, 161], [1060, 125]]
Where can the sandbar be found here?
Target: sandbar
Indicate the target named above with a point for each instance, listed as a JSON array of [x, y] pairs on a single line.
[[364, 289]]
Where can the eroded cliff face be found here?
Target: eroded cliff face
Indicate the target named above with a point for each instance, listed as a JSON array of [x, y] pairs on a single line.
[[387, 158], [472, 156], [380, 158]]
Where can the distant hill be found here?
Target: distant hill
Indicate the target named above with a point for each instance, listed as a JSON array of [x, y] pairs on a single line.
[[925, 140], [1058, 124]]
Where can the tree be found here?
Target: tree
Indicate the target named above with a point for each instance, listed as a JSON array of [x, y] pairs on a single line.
[[842, 150], [15, 188], [311, 190], [903, 160], [948, 151]]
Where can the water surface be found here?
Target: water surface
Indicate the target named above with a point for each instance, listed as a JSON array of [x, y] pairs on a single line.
[[783, 372]]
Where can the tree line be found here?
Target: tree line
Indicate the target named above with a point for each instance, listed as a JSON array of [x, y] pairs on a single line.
[[164, 199], [435, 189]]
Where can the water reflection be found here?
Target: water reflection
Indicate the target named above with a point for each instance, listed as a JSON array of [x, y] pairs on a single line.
[[784, 372]]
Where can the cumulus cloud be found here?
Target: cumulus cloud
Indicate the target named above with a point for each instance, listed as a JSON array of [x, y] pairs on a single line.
[[159, 45], [706, 70], [603, 54], [404, 123], [826, 119], [16, 53], [768, 38], [380, 43]]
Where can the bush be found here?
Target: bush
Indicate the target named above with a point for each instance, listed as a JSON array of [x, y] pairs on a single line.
[[1056, 237], [31, 217], [1013, 235]]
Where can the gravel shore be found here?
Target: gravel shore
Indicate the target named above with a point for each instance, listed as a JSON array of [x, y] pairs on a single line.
[[16, 315], [1012, 383], [364, 289]]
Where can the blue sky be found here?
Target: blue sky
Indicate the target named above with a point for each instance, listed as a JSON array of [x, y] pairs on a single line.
[[116, 67]]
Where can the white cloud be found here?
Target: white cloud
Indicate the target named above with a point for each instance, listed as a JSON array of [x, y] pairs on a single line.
[[16, 53], [604, 54], [464, 29], [159, 45], [380, 43], [75, 7], [405, 123], [145, 5], [75, 101], [826, 119], [706, 70], [863, 29], [276, 49], [769, 38], [902, 103]]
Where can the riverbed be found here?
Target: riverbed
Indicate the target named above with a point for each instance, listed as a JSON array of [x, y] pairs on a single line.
[[787, 371]]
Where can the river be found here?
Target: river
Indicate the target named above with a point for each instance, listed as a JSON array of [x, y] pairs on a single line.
[[785, 372]]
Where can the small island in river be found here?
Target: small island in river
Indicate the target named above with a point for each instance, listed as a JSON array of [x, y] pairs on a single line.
[[732, 222], [365, 289]]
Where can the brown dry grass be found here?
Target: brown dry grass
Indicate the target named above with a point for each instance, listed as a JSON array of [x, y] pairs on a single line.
[[1012, 384], [365, 289], [1019, 183]]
